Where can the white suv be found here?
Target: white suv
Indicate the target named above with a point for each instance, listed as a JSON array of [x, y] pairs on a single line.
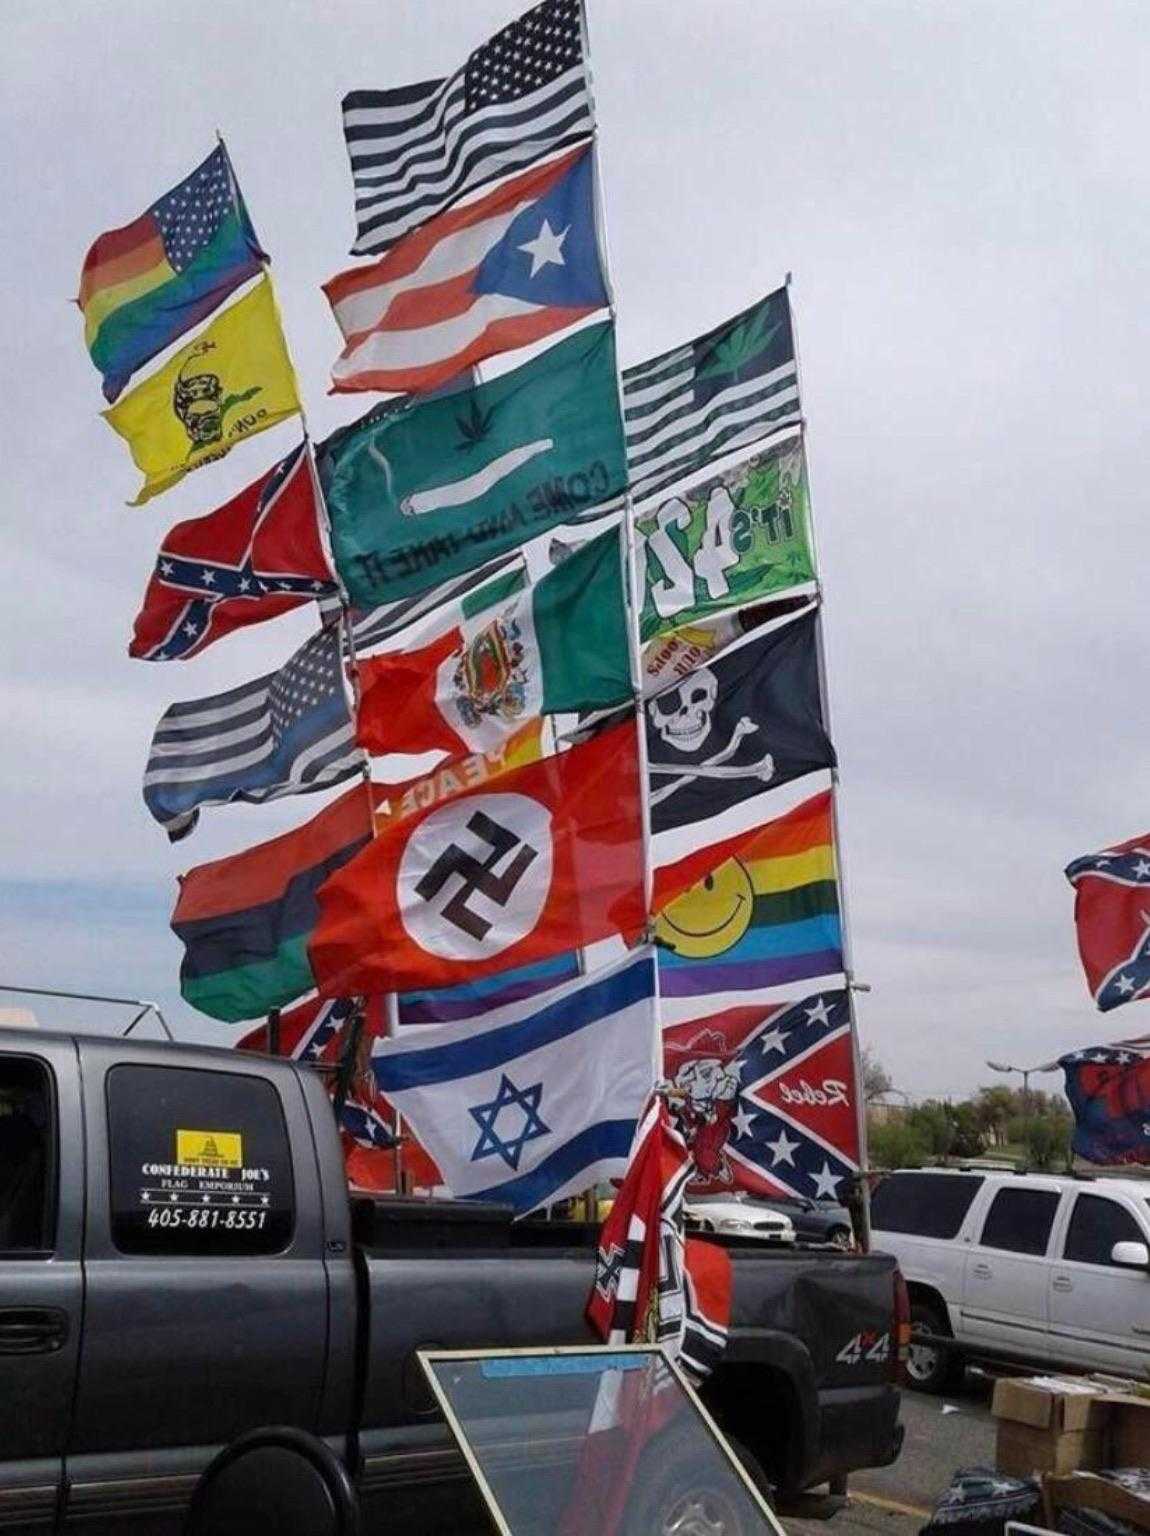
[[1036, 1268]]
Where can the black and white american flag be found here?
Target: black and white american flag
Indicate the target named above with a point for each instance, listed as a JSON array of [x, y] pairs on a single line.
[[289, 732], [734, 386], [416, 149]]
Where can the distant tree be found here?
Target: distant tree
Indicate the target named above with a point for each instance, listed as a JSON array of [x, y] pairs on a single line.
[[896, 1144], [994, 1107], [876, 1079]]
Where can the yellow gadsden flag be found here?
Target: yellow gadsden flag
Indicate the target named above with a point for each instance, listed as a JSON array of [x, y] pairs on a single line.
[[234, 380]]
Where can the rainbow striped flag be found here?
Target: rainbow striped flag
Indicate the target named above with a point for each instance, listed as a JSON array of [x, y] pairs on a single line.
[[149, 282], [763, 919]]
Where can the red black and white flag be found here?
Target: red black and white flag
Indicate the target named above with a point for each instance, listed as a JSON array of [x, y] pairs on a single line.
[[1112, 916], [766, 1098], [257, 556], [546, 859], [652, 1284]]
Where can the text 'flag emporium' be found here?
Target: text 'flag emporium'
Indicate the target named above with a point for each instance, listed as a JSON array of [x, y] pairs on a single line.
[[503, 272], [767, 1098], [245, 921], [539, 1100], [416, 149], [287, 733], [746, 722], [418, 493], [234, 380], [547, 860], [735, 539], [558, 647], [257, 556], [734, 386], [1112, 916], [146, 284]]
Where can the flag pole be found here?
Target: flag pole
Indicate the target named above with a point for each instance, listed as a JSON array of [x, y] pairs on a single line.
[[350, 677], [864, 1232], [634, 588]]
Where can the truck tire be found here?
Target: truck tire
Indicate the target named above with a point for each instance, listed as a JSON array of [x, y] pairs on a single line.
[[930, 1368], [699, 1497]]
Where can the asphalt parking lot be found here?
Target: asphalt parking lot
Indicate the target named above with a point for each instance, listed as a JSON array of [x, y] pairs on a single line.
[[942, 1434]]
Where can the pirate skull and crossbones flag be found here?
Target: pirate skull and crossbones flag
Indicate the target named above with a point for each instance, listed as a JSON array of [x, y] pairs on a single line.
[[747, 722]]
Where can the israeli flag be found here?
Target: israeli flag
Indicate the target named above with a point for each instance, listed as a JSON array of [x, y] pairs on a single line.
[[535, 1101]]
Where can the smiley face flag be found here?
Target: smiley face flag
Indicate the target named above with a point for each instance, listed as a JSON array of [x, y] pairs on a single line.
[[233, 380], [764, 918], [546, 859]]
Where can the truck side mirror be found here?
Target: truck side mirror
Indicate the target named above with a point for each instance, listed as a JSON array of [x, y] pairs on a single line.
[[1130, 1255]]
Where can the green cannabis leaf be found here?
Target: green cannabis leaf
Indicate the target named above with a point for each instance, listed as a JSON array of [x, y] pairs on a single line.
[[740, 345], [473, 427]]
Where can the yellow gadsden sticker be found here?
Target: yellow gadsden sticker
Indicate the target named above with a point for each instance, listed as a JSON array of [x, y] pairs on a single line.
[[212, 1149]]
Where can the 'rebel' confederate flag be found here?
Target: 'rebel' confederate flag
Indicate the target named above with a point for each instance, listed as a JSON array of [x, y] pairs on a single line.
[[1112, 916], [546, 859], [766, 1097], [255, 557], [1109, 1091]]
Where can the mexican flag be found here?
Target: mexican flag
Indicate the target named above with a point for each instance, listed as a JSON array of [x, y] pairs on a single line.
[[555, 647]]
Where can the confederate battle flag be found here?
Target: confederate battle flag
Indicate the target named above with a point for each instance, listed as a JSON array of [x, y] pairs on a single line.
[[1109, 1091], [1112, 915], [766, 1098]]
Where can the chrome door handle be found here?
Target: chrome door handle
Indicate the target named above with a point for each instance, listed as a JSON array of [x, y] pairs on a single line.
[[983, 1271], [1062, 1283]]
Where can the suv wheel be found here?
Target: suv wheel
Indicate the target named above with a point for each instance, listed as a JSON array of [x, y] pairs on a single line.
[[930, 1368]]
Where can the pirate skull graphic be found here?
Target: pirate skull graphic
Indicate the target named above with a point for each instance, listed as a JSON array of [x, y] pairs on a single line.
[[197, 401], [682, 716]]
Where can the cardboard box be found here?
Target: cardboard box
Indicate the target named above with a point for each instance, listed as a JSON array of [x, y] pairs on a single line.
[[1129, 1431], [1048, 1424]]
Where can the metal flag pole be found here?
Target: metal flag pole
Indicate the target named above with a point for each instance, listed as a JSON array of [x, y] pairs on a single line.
[[634, 585], [863, 1220], [141, 1004], [349, 678]]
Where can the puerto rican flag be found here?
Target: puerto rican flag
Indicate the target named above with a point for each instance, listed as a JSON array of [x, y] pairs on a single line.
[[507, 270], [257, 556], [766, 1097]]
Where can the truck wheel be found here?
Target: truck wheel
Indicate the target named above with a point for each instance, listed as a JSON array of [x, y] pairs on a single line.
[[929, 1368], [697, 1498]]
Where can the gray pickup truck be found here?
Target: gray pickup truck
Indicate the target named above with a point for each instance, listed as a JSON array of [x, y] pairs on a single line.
[[180, 1262]]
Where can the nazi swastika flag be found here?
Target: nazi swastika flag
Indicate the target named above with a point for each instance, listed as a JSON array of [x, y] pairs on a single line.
[[546, 859]]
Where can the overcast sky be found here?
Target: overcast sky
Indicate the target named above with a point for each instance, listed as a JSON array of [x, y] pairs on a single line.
[[961, 190]]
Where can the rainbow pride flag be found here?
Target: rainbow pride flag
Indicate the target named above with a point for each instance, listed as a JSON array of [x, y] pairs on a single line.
[[765, 918], [149, 282]]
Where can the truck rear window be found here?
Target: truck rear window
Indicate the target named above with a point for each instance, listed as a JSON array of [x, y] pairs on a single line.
[[200, 1163], [923, 1204]]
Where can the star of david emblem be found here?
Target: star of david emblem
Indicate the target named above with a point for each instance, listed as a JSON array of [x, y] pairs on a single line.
[[510, 1148]]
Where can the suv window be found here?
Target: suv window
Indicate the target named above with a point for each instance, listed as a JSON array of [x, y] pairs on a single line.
[[27, 1153], [924, 1204], [1096, 1224], [1019, 1220], [200, 1163]]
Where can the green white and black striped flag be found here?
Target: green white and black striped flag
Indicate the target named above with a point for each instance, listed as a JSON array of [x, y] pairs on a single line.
[[734, 386]]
